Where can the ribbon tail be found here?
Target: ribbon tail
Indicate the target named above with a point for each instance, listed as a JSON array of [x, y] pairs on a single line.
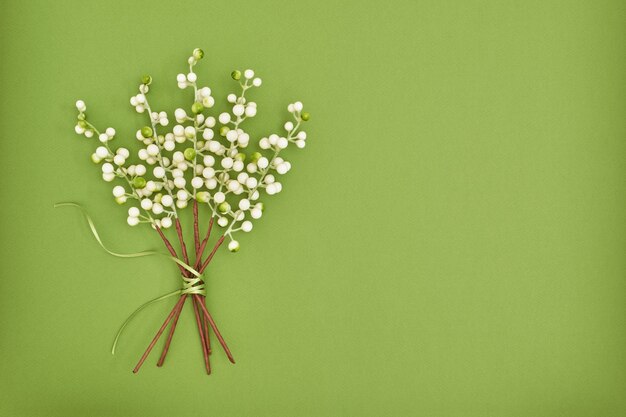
[[96, 235], [134, 313]]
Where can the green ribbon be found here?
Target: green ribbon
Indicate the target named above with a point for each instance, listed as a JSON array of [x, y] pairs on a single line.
[[191, 285]]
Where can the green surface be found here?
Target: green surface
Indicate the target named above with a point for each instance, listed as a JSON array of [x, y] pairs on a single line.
[[450, 243]]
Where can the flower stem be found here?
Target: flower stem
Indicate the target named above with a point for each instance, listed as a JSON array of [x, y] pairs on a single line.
[[200, 250], [205, 350], [196, 231], [208, 259], [214, 327], [158, 335], [171, 333], [179, 232]]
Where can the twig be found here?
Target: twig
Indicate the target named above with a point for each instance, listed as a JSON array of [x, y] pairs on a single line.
[[157, 336], [179, 232], [205, 350], [171, 333], [200, 251], [215, 329], [170, 248], [208, 259], [196, 231]]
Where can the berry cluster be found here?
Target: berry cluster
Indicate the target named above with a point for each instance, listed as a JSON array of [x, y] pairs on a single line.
[[201, 158]]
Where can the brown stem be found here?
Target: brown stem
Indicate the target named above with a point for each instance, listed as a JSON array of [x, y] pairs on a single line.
[[205, 323], [215, 329], [179, 232], [215, 248], [200, 250], [196, 231], [170, 248], [171, 333], [205, 350], [158, 335]]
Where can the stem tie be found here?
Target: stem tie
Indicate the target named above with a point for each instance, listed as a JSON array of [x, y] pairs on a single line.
[[191, 285]]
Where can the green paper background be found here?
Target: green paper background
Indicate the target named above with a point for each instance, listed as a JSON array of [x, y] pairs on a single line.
[[450, 243]]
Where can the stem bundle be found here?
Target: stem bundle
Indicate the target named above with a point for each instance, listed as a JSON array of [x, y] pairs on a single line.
[[203, 317]]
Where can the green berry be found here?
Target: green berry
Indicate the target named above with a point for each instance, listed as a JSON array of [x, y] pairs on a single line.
[[81, 116], [255, 156], [198, 53], [224, 130], [146, 132], [203, 196], [189, 153], [240, 157], [197, 107], [120, 200], [146, 79], [236, 74], [223, 207], [83, 124], [305, 116], [139, 182], [95, 158]]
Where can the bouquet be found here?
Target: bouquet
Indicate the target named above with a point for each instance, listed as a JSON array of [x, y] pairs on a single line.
[[201, 161]]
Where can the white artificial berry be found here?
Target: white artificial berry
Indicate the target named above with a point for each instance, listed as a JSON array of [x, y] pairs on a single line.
[[146, 204], [251, 182], [179, 182], [102, 152], [167, 200], [208, 172], [159, 172], [119, 160], [238, 109], [227, 163], [157, 208], [182, 195], [282, 143], [107, 168], [248, 73], [219, 197], [166, 222], [262, 162], [118, 191], [233, 246], [208, 134], [257, 82], [282, 168], [197, 182], [246, 226], [256, 213], [208, 161], [132, 221], [224, 118], [251, 111], [180, 115], [153, 150], [244, 204]]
